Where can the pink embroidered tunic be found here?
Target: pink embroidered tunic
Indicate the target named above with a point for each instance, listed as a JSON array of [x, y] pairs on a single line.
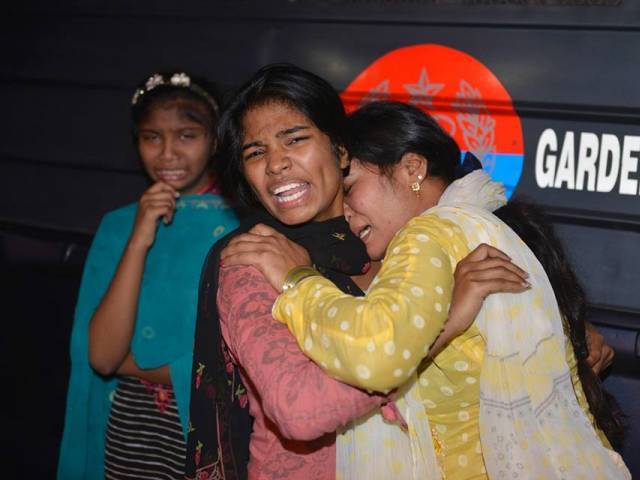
[[297, 408]]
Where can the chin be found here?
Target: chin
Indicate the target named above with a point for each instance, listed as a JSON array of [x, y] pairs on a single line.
[[374, 253], [292, 216]]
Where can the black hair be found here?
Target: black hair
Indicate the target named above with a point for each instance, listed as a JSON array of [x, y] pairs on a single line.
[[282, 83], [532, 226], [198, 100], [380, 133]]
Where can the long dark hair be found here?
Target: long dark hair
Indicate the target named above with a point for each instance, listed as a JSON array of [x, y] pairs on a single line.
[[282, 83], [532, 226]]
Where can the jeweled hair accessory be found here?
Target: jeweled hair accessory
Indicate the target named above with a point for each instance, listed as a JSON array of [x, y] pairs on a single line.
[[179, 79]]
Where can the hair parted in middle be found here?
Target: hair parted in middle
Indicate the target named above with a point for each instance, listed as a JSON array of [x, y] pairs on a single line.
[[283, 83]]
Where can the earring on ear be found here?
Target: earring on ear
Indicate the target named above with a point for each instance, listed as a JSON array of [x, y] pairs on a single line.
[[415, 186]]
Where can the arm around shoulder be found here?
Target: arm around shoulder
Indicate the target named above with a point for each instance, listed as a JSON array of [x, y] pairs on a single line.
[[376, 342]]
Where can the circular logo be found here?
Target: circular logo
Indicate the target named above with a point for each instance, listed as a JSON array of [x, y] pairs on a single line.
[[461, 93]]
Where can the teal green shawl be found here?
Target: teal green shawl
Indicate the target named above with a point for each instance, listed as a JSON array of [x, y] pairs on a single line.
[[165, 320]]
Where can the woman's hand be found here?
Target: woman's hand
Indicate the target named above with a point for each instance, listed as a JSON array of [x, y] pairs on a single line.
[[600, 353], [484, 271], [158, 201], [268, 250]]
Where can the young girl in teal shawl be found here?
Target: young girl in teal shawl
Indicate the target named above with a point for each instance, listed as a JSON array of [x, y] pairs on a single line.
[[132, 338]]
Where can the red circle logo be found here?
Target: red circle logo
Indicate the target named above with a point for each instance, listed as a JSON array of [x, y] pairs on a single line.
[[461, 93]]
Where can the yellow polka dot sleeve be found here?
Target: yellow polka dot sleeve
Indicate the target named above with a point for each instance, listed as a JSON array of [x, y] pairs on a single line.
[[376, 342]]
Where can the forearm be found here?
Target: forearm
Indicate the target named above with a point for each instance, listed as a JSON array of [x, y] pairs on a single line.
[[380, 339], [156, 375], [377, 349], [449, 331], [112, 325]]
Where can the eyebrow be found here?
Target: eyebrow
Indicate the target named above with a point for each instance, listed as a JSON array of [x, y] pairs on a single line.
[[291, 130], [280, 134]]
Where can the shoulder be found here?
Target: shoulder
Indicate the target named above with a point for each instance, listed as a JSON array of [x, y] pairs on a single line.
[[120, 214], [429, 228], [117, 222], [243, 293], [240, 281]]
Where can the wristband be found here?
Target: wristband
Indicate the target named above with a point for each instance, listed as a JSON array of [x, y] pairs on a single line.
[[296, 274]]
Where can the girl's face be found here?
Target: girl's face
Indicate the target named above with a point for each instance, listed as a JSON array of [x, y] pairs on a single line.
[[376, 206], [290, 165], [175, 149]]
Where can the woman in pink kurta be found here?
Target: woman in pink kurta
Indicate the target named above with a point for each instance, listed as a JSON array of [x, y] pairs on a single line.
[[289, 396]]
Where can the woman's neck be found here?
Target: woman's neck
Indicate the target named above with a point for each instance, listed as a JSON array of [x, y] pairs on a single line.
[[432, 190]]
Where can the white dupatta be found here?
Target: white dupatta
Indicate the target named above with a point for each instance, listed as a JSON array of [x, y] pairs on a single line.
[[531, 425]]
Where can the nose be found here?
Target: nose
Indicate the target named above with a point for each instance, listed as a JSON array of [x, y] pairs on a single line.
[[168, 153], [278, 162]]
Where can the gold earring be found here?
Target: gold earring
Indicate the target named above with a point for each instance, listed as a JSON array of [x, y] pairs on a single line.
[[415, 186]]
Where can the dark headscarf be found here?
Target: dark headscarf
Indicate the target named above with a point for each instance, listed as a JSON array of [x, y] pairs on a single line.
[[220, 425]]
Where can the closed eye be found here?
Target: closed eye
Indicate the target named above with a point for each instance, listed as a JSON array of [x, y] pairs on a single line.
[[295, 140], [253, 154], [148, 136]]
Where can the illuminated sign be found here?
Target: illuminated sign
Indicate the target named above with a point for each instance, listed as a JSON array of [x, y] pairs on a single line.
[[461, 93], [589, 162]]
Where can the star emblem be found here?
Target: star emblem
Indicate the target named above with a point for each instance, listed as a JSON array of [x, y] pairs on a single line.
[[422, 93], [377, 93]]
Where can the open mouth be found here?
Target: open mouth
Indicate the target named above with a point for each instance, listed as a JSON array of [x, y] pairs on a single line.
[[364, 233], [290, 192], [171, 175]]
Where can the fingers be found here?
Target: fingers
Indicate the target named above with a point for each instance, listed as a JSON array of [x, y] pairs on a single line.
[[160, 187], [498, 272], [242, 258], [600, 353], [248, 247], [489, 269], [484, 257], [247, 238], [259, 233], [249, 242], [156, 197], [595, 343], [607, 356], [484, 251], [264, 230], [500, 285]]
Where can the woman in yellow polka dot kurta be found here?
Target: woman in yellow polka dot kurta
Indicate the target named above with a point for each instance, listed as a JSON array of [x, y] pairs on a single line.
[[502, 399]]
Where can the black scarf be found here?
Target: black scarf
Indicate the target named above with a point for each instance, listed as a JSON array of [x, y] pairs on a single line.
[[219, 424]]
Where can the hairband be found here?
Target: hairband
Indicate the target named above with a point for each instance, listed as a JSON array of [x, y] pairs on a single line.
[[179, 79]]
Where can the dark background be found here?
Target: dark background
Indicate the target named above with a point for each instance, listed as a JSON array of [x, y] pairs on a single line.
[[67, 73]]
